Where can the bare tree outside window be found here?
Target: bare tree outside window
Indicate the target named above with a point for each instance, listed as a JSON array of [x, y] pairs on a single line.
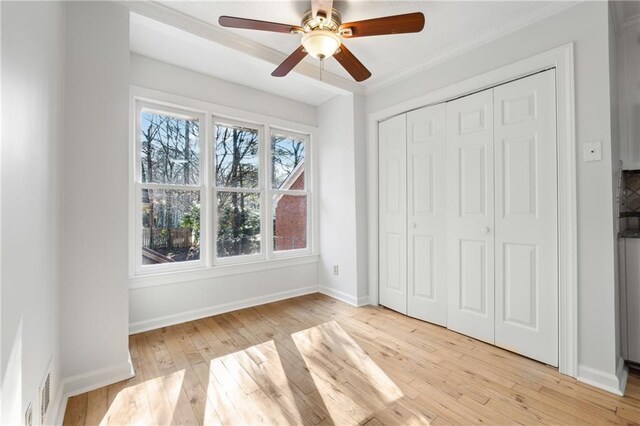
[[237, 170], [169, 155], [287, 154], [170, 149]]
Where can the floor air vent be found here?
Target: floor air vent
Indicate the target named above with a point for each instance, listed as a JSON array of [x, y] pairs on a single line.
[[45, 396]]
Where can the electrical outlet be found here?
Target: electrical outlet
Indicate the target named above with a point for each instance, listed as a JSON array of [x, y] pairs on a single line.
[[28, 416], [336, 270]]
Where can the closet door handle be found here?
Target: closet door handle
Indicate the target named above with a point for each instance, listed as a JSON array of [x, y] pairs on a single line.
[[414, 225], [485, 230]]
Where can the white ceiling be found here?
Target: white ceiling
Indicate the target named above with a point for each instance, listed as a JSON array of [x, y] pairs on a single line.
[[248, 57], [450, 26], [177, 47]]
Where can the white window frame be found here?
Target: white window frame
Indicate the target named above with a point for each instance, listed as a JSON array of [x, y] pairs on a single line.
[[178, 112], [208, 266], [308, 185], [239, 259]]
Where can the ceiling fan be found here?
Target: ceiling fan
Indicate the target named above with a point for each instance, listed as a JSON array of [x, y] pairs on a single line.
[[322, 32]]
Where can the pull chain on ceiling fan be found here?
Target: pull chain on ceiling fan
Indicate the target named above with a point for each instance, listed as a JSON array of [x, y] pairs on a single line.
[[322, 32]]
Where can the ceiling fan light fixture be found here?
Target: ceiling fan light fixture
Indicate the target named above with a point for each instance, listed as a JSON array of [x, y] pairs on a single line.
[[321, 44]]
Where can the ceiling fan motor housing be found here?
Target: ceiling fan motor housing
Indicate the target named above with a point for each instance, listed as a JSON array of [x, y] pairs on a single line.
[[320, 22]]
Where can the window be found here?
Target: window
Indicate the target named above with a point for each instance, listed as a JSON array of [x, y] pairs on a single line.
[[289, 192], [239, 190], [214, 191], [169, 187]]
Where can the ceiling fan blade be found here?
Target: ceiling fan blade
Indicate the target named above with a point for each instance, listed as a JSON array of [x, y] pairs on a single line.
[[294, 59], [252, 24], [397, 24], [350, 63]]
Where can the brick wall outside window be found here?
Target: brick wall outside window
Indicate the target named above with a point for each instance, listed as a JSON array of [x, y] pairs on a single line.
[[290, 227]]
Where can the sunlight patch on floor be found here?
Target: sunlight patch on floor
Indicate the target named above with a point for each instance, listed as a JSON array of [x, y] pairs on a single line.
[[317, 375], [163, 392], [343, 373], [254, 382]]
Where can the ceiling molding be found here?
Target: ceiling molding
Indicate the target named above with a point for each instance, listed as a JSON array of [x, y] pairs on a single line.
[[550, 9], [164, 14]]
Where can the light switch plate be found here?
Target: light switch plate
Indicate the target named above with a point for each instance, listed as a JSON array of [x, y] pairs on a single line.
[[592, 151]]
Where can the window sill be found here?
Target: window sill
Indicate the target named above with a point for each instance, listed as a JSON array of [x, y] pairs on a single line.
[[164, 278]]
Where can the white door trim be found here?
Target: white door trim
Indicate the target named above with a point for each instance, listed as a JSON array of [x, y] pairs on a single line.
[[562, 59]]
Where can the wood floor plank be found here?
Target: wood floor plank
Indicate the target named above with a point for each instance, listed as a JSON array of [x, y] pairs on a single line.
[[159, 405], [313, 360], [97, 406], [217, 399], [76, 412], [139, 409], [118, 401]]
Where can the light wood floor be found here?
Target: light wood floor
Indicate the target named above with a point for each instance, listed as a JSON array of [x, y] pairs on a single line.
[[314, 360]]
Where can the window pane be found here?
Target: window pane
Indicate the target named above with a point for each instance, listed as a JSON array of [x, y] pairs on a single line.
[[238, 223], [170, 226], [287, 160], [169, 149], [289, 222], [237, 160]]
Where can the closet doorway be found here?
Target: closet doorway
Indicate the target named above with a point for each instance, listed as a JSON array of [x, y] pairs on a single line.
[[468, 234]]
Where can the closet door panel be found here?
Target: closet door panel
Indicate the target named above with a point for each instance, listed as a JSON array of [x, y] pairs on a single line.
[[426, 203], [526, 217], [392, 139], [470, 216]]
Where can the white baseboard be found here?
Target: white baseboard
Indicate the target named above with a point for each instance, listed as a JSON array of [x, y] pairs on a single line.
[[165, 321], [340, 295], [614, 383], [363, 301], [89, 381]]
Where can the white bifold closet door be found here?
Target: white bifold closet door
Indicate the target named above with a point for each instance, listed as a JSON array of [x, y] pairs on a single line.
[[470, 212], [427, 220], [526, 201], [392, 137], [502, 217]]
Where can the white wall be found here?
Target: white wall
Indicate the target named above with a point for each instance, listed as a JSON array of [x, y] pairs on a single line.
[[32, 138], [155, 306], [96, 188], [157, 75], [158, 306], [360, 160], [587, 25], [342, 197]]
